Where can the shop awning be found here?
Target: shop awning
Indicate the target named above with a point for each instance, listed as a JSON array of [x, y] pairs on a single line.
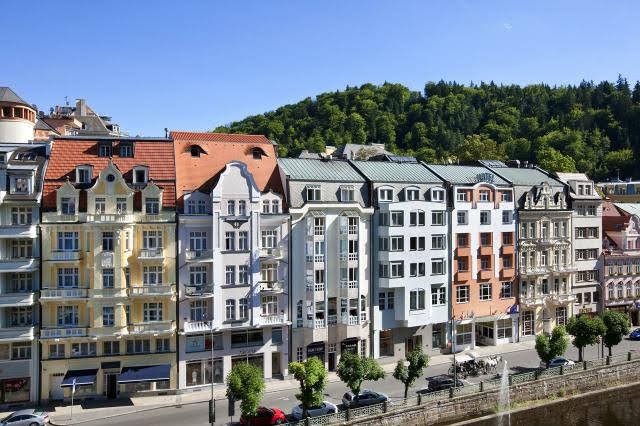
[[150, 373], [82, 377]]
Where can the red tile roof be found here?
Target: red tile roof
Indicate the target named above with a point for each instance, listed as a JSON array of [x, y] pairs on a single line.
[[200, 173], [66, 154]]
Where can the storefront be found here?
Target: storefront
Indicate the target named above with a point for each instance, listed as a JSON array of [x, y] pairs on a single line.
[[316, 349], [349, 345], [150, 377], [15, 390], [199, 372]]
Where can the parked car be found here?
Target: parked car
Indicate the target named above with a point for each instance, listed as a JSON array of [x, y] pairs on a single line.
[[30, 417], [557, 362], [264, 417], [321, 410], [366, 397], [441, 382], [635, 334]]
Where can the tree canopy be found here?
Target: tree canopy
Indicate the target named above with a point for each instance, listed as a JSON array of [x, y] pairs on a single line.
[[549, 347], [617, 326], [589, 127], [585, 331], [245, 383], [408, 374], [353, 370], [312, 377]]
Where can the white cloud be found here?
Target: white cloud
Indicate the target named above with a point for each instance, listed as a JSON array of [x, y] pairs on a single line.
[[507, 26]]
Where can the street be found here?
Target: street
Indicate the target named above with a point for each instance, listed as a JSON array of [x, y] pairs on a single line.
[[196, 413]]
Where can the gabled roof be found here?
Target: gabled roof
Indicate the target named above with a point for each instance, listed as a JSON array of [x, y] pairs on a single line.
[[525, 176], [466, 175], [8, 95], [386, 171], [200, 173], [319, 170], [630, 208]]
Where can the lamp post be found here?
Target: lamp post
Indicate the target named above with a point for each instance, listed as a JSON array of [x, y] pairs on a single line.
[[455, 366]]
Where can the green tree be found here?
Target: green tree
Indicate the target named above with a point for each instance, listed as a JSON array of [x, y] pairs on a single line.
[[585, 331], [312, 377], [553, 160], [245, 383], [617, 326], [477, 147], [353, 370], [408, 374], [551, 346]]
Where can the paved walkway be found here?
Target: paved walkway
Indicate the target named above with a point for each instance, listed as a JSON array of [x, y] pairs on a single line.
[[96, 410]]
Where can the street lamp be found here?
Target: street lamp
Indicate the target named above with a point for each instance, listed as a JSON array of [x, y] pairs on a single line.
[[455, 366]]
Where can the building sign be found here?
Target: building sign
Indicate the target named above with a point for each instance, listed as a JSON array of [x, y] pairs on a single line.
[[316, 349]]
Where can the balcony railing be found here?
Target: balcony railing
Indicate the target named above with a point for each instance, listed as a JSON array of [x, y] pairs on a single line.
[[108, 292], [317, 323], [198, 290], [59, 218], [353, 320], [160, 217], [63, 293], [151, 290], [332, 319], [271, 319], [17, 333], [17, 298], [197, 326], [65, 255], [271, 252], [344, 284], [198, 254], [151, 253], [151, 327], [52, 333], [110, 218], [272, 286]]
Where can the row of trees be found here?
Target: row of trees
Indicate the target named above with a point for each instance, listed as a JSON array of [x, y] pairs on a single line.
[[608, 329], [246, 384], [591, 127]]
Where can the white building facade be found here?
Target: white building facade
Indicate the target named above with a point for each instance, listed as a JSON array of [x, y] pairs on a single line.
[[409, 256], [329, 263]]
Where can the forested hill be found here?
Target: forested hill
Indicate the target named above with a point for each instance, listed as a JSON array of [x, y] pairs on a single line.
[[592, 128]]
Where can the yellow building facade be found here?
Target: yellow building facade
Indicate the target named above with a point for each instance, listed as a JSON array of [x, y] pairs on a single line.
[[108, 288]]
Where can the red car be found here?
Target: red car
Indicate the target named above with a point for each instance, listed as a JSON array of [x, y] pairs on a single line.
[[265, 417]]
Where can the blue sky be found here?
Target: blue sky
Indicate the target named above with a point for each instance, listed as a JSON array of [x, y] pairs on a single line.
[[192, 65]]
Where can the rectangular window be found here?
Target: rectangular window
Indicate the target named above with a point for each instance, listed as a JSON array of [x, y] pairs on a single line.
[[437, 267], [504, 329], [437, 218], [83, 349], [506, 217], [416, 218], [383, 270], [507, 238], [151, 205], [561, 315], [121, 205], [152, 275], [397, 243], [382, 300], [100, 205], [506, 196], [485, 263], [396, 269], [21, 350], [462, 195], [462, 240], [151, 239], [126, 150], [230, 275], [417, 269], [438, 242], [68, 277], [243, 309], [231, 208], [527, 323], [483, 195], [462, 294], [107, 278], [111, 347], [243, 274], [138, 346], [485, 239], [243, 240], [269, 238], [383, 244], [438, 295], [197, 241], [67, 315], [412, 194], [108, 316], [104, 150], [56, 350], [163, 345], [437, 195], [242, 208], [417, 300], [385, 195], [464, 333], [462, 216], [107, 241], [230, 241], [463, 264], [67, 241], [396, 218], [83, 175], [485, 291], [68, 205], [313, 193], [347, 194], [485, 217], [21, 215], [152, 311]]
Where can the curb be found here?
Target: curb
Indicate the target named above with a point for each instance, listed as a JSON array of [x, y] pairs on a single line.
[[141, 410]]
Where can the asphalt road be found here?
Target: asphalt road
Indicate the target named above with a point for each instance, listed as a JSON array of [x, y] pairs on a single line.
[[197, 414]]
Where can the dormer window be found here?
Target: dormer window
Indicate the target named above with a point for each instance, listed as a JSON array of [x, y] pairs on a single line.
[[126, 150], [587, 190], [313, 193], [385, 195], [100, 205], [195, 151], [507, 197], [275, 206], [83, 174], [196, 207], [68, 205], [152, 205], [484, 195], [231, 208], [140, 175], [437, 195], [461, 195], [21, 185], [104, 150], [412, 194], [346, 194], [257, 153]]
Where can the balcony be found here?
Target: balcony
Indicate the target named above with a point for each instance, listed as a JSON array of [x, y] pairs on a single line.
[[55, 333], [197, 326], [316, 258], [18, 264], [507, 273], [317, 323], [563, 298], [198, 290], [158, 327], [151, 254], [332, 319], [353, 320], [18, 231], [486, 250], [270, 253], [198, 255], [63, 294], [17, 299], [110, 218], [463, 251], [533, 270], [508, 249], [105, 293], [485, 274], [271, 286], [160, 217], [14, 334], [271, 319], [59, 218], [151, 290], [531, 300], [65, 256], [462, 276], [350, 257]]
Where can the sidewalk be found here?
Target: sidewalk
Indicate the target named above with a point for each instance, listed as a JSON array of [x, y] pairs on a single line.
[[96, 410]]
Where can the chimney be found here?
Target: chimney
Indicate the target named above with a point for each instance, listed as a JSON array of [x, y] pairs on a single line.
[[81, 107], [514, 163]]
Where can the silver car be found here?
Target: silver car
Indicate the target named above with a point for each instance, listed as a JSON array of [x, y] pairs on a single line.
[[30, 417], [321, 410]]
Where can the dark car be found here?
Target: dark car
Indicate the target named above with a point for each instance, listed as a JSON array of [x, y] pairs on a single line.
[[635, 334], [366, 397], [443, 382], [265, 417]]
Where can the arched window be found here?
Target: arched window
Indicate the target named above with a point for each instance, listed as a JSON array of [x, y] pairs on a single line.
[[628, 290], [610, 291], [619, 291]]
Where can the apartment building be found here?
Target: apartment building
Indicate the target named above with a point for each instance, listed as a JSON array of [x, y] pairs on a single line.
[[482, 228], [544, 250], [22, 163], [621, 258], [233, 257], [586, 224], [329, 266], [409, 254], [108, 268]]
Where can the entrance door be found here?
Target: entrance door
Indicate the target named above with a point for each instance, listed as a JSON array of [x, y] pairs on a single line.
[[275, 364], [112, 386], [56, 393], [332, 361]]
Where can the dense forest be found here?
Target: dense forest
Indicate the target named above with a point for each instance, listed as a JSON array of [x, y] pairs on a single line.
[[592, 128]]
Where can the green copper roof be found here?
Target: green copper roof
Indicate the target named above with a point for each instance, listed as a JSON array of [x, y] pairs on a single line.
[[385, 171], [319, 170], [466, 175], [525, 176]]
